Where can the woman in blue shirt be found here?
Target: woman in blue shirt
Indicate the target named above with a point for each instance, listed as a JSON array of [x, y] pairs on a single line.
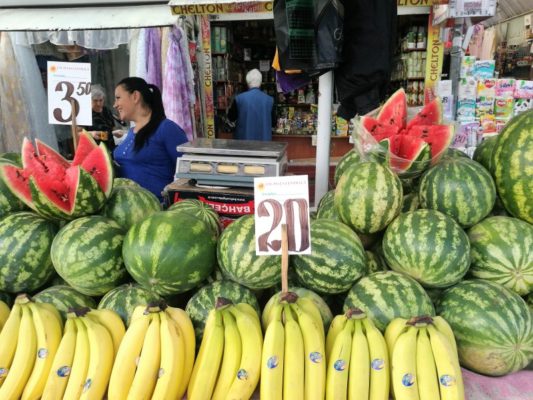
[[148, 153]]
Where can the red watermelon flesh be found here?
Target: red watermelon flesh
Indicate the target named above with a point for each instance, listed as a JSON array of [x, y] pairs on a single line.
[[93, 163], [21, 178], [86, 145], [378, 130], [431, 114], [43, 160], [439, 137], [409, 153], [394, 112]]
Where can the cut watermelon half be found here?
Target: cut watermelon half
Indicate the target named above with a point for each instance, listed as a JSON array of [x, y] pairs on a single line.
[[378, 130], [86, 145], [431, 114], [407, 154], [93, 163], [439, 137], [394, 112]]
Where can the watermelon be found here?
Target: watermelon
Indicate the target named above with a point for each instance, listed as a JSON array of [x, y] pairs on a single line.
[[428, 246], [431, 114], [8, 201], [349, 159], [492, 325], [368, 197], [124, 298], [169, 253], [407, 155], [439, 137], [237, 259], [384, 296], [336, 261], [455, 153], [125, 182], [483, 153], [11, 158], [85, 146], [64, 297], [502, 252], [411, 202], [204, 300], [378, 130], [529, 300], [201, 210], [128, 205], [326, 207], [375, 262], [25, 241], [512, 164], [87, 254], [6, 298], [394, 112], [460, 188]]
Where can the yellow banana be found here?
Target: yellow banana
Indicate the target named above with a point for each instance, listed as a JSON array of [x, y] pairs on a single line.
[[126, 360], [206, 367], [186, 329], [112, 322], [395, 328], [100, 362], [379, 361], [23, 360], [4, 313], [426, 371], [8, 339], [315, 360], [310, 308], [49, 331], [62, 364], [336, 327], [359, 376], [266, 316], [293, 358], [145, 378], [231, 358], [339, 364], [137, 312], [171, 371], [80, 363], [249, 370], [443, 327], [50, 307], [272, 358], [404, 378], [448, 372]]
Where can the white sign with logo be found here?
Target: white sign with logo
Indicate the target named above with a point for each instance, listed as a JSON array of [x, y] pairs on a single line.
[[69, 92], [282, 200]]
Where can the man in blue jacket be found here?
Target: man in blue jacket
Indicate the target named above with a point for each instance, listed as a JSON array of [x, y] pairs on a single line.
[[253, 111]]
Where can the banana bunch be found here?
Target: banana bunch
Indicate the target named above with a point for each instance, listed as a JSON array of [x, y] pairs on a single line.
[[4, 313], [425, 364], [29, 341], [155, 357], [358, 359], [293, 364], [84, 358], [228, 362]]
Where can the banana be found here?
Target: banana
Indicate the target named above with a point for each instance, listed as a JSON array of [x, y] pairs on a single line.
[[126, 360], [293, 358], [9, 338], [50, 307], [404, 378], [231, 357], [206, 367], [395, 328], [315, 362], [112, 322], [249, 370], [359, 376], [23, 360], [426, 371], [80, 363], [49, 332], [266, 316], [171, 371], [379, 361], [100, 362], [336, 327], [448, 372], [62, 364], [186, 329], [309, 307], [272, 358], [4, 313], [138, 312], [339, 364], [148, 367]]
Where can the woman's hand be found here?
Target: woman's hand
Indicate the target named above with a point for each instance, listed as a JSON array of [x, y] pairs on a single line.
[[118, 133]]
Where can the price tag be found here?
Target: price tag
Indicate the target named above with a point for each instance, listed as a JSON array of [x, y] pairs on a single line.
[[282, 200], [69, 83]]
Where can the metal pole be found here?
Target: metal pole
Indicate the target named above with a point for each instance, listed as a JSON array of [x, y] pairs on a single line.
[[325, 101]]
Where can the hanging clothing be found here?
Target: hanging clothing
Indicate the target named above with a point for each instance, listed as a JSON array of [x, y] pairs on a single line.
[[489, 44], [141, 67], [475, 46], [253, 111], [153, 60]]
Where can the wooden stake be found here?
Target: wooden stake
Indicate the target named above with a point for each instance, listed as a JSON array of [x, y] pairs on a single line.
[[284, 260], [74, 126]]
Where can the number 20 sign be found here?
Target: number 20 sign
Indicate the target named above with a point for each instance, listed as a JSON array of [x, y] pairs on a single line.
[[282, 200]]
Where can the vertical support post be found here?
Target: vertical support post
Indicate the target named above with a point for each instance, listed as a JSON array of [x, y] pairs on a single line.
[[456, 56], [325, 102]]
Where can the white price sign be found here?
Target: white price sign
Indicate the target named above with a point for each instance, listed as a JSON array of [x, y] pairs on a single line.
[[282, 200], [69, 92]]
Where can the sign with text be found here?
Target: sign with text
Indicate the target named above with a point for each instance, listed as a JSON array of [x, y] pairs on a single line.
[[69, 93], [282, 200]]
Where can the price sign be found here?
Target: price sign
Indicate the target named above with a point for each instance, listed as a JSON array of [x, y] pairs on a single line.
[[69, 93], [282, 200]]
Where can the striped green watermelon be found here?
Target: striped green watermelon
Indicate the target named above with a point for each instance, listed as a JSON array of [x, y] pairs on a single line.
[[204, 300], [124, 298], [8, 201], [428, 246], [25, 241], [483, 153], [128, 205], [64, 297], [529, 300], [384, 296], [512, 164], [375, 262], [455, 153], [326, 207], [502, 252], [492, 325], [351, 158], [336, 261], [201, 210], [368, 197], [125, 182], [237, 259], [6, 298], [11, 158], [169, 253], [460, 188], [411, 202], [87, 254]]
